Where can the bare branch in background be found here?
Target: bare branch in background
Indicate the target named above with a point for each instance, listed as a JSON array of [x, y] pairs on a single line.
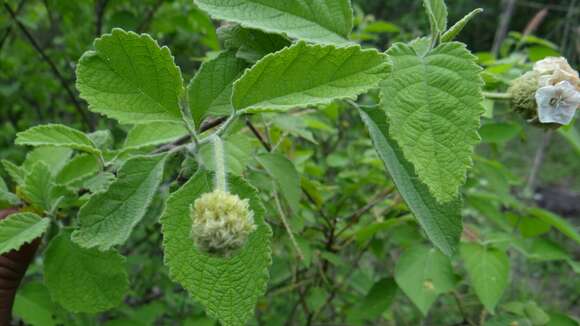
[[504, 23]]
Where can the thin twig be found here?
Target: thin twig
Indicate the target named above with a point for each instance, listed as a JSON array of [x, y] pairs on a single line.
[[538, 160], [53, 67], [287, 225], [504, 24], [100, 6], [150, 14]]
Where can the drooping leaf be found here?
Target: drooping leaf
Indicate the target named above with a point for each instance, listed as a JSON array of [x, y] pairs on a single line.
[[377, 301], [210, 90], [251, 44], [108, 218], [19, 229], [441, 222], [130, 78], [84, 280], [40, 190], [34, 306], [307, 75], [58, 136], [434, 104], [458, 27], [558, 222], [153, 134], [322, 21], [437, 12], [285, 175], [227, 287], [79, 168], [423, 274], [488, 269]]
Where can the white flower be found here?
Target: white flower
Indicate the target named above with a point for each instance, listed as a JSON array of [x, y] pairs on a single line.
[[557, 104], [554, 70]]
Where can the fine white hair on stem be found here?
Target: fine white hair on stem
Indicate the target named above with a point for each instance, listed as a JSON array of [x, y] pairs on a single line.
[[220, 163]]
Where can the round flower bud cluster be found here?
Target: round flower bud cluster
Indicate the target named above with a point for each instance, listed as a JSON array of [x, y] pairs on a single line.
[[222, 222], [549, 95]]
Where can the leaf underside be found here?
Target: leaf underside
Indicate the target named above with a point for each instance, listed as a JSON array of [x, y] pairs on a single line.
[[19, 229]]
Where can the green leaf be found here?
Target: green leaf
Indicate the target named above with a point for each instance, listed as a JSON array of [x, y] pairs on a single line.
[[16, 173], [40, 190], [251, 44], [434, 104], [437, 12], [228, 287], [34, 306], [322, 21], [307, 75], [84, 280], [153, 134], [210, 91], [7, 198], [284, 173], [488, 269], [20, 228], [238, 151], [130, 78], [79, 168], [58, 136], [499, 132], [458, 27], [53, 157], [108, 218], [441, 222], [558, 222], [377, 301], [423, 274]]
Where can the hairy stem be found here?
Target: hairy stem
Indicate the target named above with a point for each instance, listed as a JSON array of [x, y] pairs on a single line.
[[220, 163]]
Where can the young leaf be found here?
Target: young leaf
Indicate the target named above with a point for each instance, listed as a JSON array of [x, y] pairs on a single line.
[[227, 287], [434, 103], [251, 45], [108, 218], [84, 280], [55, 158], [153, 134], [56, 135], [19, 229], [322, 21], [437, 12], [7, 199], [77, 169], [16, 173], [423, 274], [458, 27], [284, 173], [307, 75], [130, 78], [210, 91], [488, 269], [377, 301], [441, 222], [40, 190]]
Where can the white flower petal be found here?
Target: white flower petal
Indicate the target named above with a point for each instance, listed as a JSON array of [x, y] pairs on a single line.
[[557, 104]]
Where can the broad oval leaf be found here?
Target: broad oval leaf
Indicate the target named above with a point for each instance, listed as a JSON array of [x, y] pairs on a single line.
[[229, 287], [56, 135], [84, 280], [322, 21], [488, 269], [108, 218], [19, 229], [441, 222], [284, 173], [130, 78], [307, 75], [434, 103], [210, 90], [249, 44], [423, 274]]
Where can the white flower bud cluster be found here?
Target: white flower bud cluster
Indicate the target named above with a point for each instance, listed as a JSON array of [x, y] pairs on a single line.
[[221, 222], [558, 96], [549, 95]]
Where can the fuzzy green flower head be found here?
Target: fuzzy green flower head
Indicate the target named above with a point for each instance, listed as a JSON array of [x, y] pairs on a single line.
[[222, 222]]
